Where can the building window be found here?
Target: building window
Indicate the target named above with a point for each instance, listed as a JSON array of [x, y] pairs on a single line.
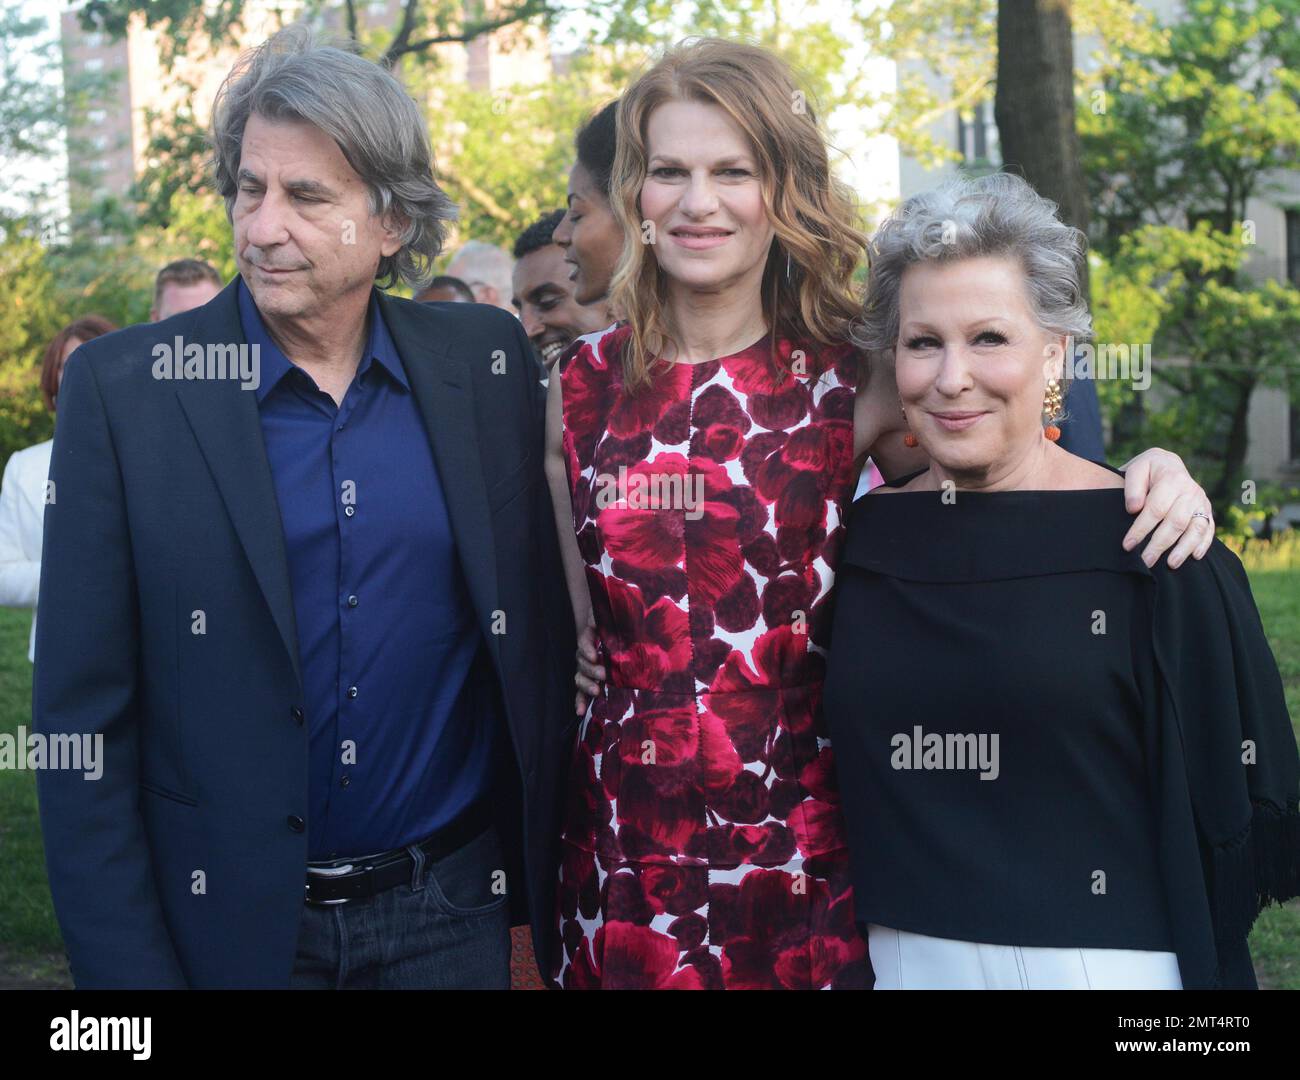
[[973, 136], [1293, 256], [95, 63]]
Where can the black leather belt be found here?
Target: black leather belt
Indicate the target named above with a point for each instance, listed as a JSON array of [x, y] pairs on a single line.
[[334, 883]]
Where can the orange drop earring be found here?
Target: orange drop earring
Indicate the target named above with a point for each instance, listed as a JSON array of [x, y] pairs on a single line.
[[1052, 410], [909, 439]]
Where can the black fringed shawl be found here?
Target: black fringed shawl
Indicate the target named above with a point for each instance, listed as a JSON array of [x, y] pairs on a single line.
[[1228, 753]]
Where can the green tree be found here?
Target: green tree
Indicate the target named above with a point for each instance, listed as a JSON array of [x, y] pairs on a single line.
[[947, 57], [1194, 122], [33, 312], [1192, 126], [29, 105], [1185, 292], [421, 24], [504, 154]]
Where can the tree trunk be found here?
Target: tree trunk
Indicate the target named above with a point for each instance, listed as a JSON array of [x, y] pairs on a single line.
[[1034, 106], [1228, 489]]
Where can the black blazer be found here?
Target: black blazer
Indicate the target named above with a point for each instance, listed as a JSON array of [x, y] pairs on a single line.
[[181, 865]]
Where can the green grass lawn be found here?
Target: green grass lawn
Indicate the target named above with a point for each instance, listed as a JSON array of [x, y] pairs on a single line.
[[30, 949], [1275, 941]]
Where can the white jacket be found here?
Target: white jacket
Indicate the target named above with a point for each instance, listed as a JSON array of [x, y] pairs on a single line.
[[22, 523]]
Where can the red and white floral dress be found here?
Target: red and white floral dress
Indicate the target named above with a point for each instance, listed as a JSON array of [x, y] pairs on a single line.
[[703, 840]]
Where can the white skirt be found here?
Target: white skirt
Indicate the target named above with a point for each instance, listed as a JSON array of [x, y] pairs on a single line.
[[905, 961]]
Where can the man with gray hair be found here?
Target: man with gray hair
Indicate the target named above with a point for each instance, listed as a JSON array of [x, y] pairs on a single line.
[[487, 270], [300, 576]]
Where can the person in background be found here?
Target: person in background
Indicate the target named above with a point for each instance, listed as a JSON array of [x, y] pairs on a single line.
[[543, 294], [589, 234], [486, 270], [445, 289], [183, 285], [22, 492]]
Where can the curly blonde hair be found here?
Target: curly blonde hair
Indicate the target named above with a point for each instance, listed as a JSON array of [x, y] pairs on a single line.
[[814, 215]]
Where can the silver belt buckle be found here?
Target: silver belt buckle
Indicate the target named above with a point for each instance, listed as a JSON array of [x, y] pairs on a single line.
[[327, 871]]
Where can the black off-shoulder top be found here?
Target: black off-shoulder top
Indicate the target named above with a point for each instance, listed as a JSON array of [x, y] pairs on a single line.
[[1003, 723]]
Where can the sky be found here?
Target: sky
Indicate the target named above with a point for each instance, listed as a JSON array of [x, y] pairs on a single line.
[[26, 175]]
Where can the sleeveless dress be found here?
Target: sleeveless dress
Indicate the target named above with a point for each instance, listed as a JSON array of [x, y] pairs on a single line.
[[703, 842]]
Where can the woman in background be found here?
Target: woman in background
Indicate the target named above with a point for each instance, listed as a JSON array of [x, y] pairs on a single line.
[[589, 233], [22, 492], [1062, 767]]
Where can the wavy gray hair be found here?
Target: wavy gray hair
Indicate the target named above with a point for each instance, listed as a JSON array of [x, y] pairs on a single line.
[[964, 218], [360, 105]]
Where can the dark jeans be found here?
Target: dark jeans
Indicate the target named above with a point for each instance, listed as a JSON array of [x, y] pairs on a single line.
[[447, 930]]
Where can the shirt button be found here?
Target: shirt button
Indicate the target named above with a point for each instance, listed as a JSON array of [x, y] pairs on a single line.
[[353, 601], [349, 510], [352, 691], [297, 714], [296, 823], [345, 781]]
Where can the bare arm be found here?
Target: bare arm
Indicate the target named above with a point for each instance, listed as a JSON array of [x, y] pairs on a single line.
[[879, 427], [575, 574], [589, 674]]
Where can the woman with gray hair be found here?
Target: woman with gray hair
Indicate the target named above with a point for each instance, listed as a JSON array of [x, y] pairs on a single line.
[[1061, 767]]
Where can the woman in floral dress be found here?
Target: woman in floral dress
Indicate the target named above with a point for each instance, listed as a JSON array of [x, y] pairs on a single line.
[[701, 457]]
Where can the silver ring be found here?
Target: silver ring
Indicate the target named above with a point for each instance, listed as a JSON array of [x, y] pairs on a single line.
[[1200, 514]]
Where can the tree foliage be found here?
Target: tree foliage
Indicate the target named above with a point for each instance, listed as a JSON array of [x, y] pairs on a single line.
[[1194, 124]]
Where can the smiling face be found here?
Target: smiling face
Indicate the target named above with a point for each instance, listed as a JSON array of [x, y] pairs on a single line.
[[543, 296], [972, 364], [590, 237], [702, 191], [304, 232]]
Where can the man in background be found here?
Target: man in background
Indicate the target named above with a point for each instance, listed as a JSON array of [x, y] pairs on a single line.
[[446, 289], [543, 294], [183, 285], [486, 270]]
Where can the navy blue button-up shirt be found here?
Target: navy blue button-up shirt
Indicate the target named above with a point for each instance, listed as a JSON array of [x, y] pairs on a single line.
[[396, 679]]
